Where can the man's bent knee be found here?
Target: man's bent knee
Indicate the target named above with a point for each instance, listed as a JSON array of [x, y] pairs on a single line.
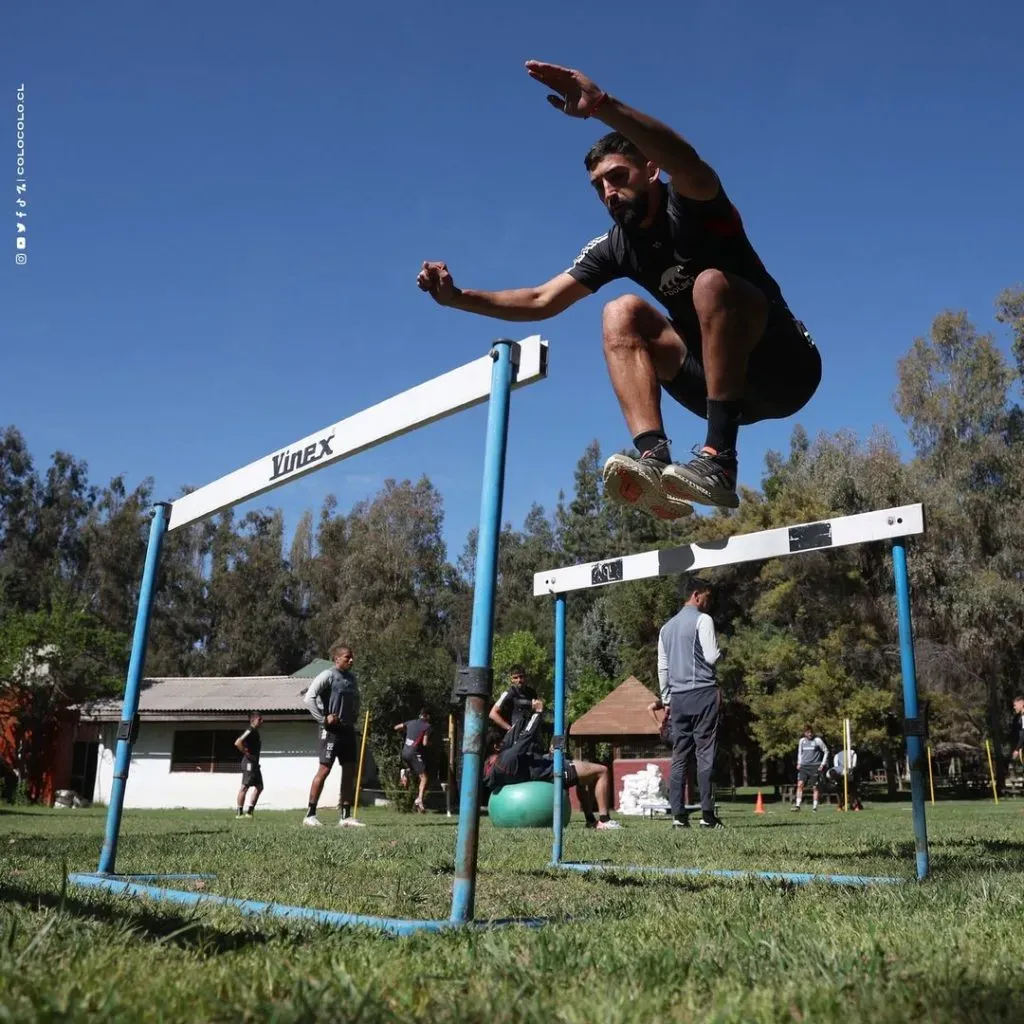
[[587, 771], [714, 290], [630, 318]]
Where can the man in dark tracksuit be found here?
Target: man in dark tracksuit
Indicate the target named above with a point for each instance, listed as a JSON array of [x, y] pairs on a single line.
[[687, 652], [514, 758], [1017, 729], [333, 700]]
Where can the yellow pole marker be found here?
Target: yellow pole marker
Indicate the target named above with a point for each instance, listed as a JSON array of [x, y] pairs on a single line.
[[451, 766], [846, 764], [931, 778], [359, 772], [991, 771]]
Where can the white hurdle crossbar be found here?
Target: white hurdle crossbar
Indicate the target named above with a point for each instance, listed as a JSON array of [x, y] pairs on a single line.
[[459, 389], [882, 524]]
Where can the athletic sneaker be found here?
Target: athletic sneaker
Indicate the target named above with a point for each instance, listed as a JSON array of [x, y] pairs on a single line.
[[605, 826], [351, 823], [636, 483], [418, 804], [313, 821], [713, 823], [707, 479], [680, 822], [796, 807]]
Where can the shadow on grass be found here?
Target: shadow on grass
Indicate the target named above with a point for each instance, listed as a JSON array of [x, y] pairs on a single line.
[[185, 932], [967, 1002]]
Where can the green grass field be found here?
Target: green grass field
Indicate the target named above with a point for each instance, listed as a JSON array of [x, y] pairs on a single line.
[[621, 947]]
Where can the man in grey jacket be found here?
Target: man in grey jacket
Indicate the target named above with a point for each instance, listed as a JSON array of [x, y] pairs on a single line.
[[687, 652], [333, 700]]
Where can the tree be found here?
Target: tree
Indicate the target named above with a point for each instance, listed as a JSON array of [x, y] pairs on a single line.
[[50, 659]]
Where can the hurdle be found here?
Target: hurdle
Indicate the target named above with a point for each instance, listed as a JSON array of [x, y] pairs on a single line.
[[509, 365], [891, 524]]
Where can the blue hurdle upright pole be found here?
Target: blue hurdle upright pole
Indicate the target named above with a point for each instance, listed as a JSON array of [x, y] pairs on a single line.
[[913, 724], [130, 703], [482, 633], [556, 846]]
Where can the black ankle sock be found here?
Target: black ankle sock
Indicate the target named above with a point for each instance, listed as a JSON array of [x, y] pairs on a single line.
[[723, 425], [311, 811], [346, 811], [240, 808], [653, 441], [605, 817]]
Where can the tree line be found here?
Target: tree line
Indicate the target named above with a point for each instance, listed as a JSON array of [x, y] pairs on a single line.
[[811, 638]]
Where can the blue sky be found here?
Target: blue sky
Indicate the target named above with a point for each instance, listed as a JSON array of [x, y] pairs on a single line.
[[229, 203]]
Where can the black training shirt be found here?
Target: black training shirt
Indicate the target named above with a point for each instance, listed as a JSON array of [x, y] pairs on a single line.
[[687, 236], [415, 730], [251, 741]]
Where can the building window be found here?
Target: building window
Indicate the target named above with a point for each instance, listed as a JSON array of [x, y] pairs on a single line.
[[206, 750]]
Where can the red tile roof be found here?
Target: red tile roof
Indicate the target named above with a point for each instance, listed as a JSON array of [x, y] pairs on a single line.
[[622, 713]]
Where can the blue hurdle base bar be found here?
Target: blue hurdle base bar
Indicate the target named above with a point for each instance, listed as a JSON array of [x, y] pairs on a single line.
[[136, 885], [794, 878]]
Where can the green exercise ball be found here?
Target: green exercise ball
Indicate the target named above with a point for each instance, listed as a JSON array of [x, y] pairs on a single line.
[[526, 805]]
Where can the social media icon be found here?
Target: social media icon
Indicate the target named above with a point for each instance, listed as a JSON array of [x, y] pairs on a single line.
[[19, 243], [20, 227]]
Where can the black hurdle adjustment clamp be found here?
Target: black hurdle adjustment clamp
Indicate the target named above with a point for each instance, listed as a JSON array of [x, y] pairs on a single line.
[[472, 681], [915, 727], [128, 730]]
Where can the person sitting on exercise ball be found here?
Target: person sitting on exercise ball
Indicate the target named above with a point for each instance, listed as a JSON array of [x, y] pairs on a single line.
[[513, 760]]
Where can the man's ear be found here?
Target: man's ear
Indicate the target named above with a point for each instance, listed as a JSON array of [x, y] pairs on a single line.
[[653, 171]]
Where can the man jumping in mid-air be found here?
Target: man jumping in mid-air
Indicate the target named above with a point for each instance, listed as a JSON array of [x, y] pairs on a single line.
[[730, 350]]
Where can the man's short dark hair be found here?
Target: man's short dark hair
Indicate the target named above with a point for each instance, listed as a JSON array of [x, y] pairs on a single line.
[[253, 715], [613, 142], [809, 728], [517, 670], [494, 738], [337, 648], [695, 585], [424, 712]]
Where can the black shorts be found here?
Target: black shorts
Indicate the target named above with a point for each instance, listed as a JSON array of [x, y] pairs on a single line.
[[809, 776], [783, 372], [252, 776], [338, 744], [541, 768], [413, 760]]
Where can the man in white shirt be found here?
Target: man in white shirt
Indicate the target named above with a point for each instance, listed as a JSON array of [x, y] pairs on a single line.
[[836, 773]]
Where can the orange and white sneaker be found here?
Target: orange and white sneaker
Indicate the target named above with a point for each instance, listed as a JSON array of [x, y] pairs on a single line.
[[636, 483]]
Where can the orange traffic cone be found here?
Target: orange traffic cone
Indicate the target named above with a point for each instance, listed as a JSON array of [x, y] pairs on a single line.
[[759, 806]]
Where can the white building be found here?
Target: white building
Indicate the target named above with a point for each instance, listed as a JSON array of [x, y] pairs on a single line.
[[184, 755]]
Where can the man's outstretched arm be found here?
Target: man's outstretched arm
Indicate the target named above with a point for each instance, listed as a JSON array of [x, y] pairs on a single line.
[[538, 303], [579, 96]]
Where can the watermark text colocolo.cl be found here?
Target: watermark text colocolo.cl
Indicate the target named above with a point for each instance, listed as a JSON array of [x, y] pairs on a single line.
[[20, 182]]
